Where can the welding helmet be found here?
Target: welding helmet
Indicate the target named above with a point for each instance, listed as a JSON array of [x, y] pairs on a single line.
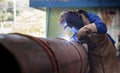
[[65, 26], [71, 20]]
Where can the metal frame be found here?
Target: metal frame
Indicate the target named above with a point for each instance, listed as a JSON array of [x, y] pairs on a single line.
[[75, 3]]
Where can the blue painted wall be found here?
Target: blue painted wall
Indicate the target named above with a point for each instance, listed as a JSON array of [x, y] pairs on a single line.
[[74, 3]]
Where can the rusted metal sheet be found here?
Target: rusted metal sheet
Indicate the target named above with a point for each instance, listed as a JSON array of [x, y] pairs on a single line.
[[27, 54]]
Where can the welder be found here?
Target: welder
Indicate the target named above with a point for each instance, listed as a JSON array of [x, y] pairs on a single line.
[[73, 20]]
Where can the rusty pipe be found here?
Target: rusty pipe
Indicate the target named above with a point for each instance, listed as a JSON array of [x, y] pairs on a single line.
[[21, 53]]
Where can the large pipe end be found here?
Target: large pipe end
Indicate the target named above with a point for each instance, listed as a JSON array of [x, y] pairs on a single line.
[[8, 62]]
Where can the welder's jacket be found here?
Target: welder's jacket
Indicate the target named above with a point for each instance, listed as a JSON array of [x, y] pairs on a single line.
[[100, 25]]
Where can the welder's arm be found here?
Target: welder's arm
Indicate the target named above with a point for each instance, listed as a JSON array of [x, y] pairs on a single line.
[[100, 25], [87, 29]]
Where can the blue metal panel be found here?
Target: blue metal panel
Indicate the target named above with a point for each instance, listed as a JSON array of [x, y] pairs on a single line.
[[74, 3], [110, 3]]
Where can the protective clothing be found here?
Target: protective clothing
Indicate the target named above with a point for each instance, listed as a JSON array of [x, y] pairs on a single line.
[[86, 30], [100, 25], [97, 26]]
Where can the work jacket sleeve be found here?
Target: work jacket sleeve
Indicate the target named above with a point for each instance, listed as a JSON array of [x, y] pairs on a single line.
[[100, 25]]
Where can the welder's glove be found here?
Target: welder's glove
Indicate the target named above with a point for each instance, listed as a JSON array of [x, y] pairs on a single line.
[[87, 29]]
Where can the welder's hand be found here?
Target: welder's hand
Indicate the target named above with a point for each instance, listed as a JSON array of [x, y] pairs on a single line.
[[87, 29], [83, 32]]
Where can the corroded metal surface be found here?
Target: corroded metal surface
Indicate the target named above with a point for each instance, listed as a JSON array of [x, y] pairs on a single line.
[[28, 54]]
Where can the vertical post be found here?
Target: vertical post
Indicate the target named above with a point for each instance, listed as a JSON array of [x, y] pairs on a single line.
[[48, 21]]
